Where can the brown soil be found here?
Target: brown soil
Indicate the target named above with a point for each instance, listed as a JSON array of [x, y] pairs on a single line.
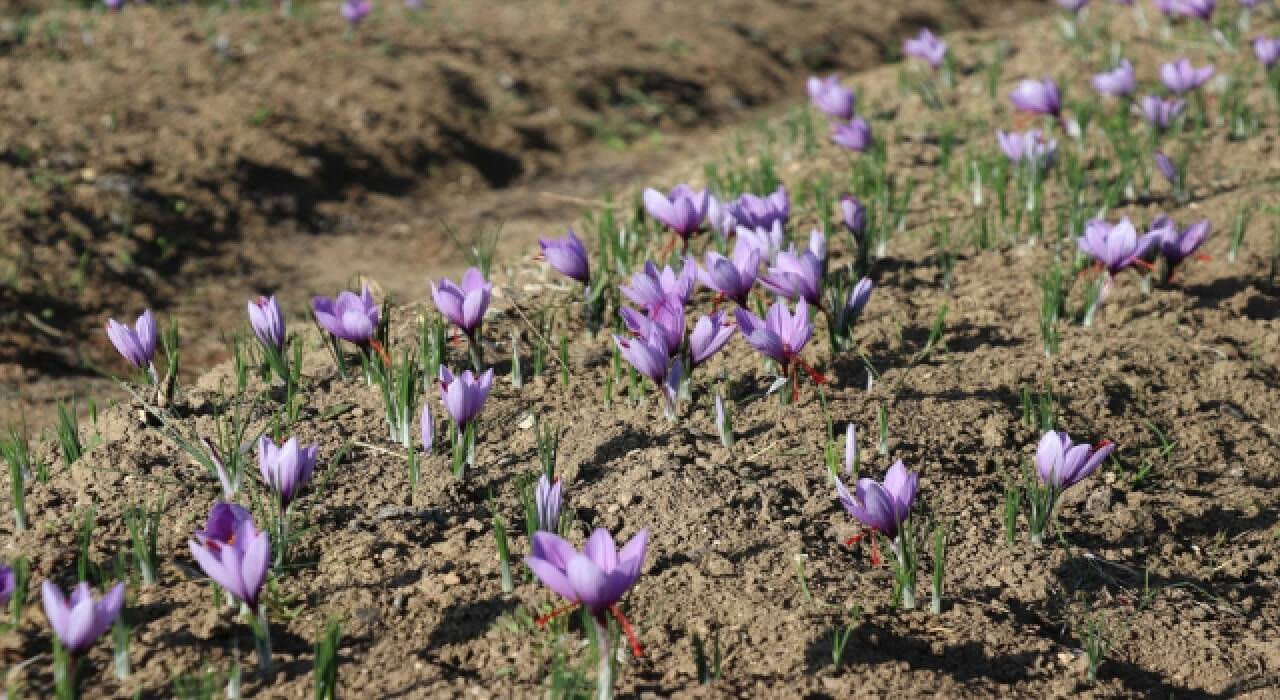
[[186, 159], [1181, 565]]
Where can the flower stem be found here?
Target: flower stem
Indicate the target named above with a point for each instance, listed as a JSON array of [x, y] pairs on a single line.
[[604, 673], [262, 638], [477, 352]]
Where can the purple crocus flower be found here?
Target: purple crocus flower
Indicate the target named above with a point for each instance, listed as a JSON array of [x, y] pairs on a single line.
[[596, 578], [464, 396], [781, 335], [1166, 7], [1176, 246], [1166, 168], [761, 212], [464, 305], [286, 468], [239, 564], [427, 427], [1160, 113], [1072, 5], [832, 98], [709, 334], [766, 242], [651, 287], [349, 317], [354, 11], [546, 504], [137, 344], [112, 4], [1037, 97], [666, 318], [720, 216], [796, 275], [927, 48], [268, 322], [649, 354], [1116, 83], [682, 211], [882, 506], [1028, 147], [567, 256], [8, 582], [1181, 77], [854, 135], [1200, 9], [732, 277], [79, 622], [1061, 464], [858, 298], [1267, 49], [854, 215], [224, 523], [1115, 246]]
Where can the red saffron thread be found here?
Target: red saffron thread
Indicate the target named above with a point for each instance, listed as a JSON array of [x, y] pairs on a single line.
[[636, 650]]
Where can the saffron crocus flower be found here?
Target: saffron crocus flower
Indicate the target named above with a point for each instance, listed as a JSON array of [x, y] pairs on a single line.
[[858, 298], [651, 287], [1028, 148], [427, 428], [464, 305], [1037, 97], [1061, 464], [666, 318], [796, 275], [720, 216], [832, 98], [761, 212], [651, 356], [79, 622], [682, 211], [1176, 246], [1115, 246], [1168, 8], [881, 506], [239, 564], [1166, 168], [1119, 82], [709, 335], [767, 242], [927, 48], [597, 577], [854, 215], [224, 522], [731, 277], [464, 396], [781, 335], [1267, 49], [137, 344], [1181, 77], [854, 135], [567, 256], [354, 11], [8, 582], [1072, 5], [1200, 9], [349, 317], [547, 502], [268, 322], [286, 468], [1161, 113]]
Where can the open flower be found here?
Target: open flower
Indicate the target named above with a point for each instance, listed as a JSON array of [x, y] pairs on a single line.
[[1037, 97], [832, 98], [781, 335], [1028, 147], [268, 322], [1161, 113], [1116, 83], [1115, 246], [927, 48], [796, 276], [465, 395], [767, 242], [881, 506], [567, 256], [854, 135], [720, 216], [1200, 9], [666, 318], [79, 622], [286, 468], [137, 344], [224, 522], [709, 335], [239, 564], [651, 287], [1176, 246], [354, 11], [732, 277], [761, 212], [464, 305], [349, 317], [1181, 77], [597, 577], [682, 211], [1060, 463]]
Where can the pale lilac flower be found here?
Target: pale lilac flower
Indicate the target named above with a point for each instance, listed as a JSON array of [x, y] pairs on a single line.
[[567, 256], [267, 321], [651, 287], [766, 242], [1061, 464], [1181, 77], [854, 215], [882, 506], [858, 298], [762, 212], [354, 11], [224, 521], [682, 211], [349, 317], [1200, 9], [464, 396], [926, 47], [649, 354], [781, 335], [1166, 168], [1116, 83], [854, 135], [796, 276], [547, 503], [1267, 49], [829, 96], [1028, 147], [1176, 246], [720, 216], [1115, 246], [137, 344], [79, 622], [463, 305], [598, 577], [1072, 5], [1037, 97], [732, 277], [286, 468], [1161, 113], [239, 564], [709, 335], [666, 318]]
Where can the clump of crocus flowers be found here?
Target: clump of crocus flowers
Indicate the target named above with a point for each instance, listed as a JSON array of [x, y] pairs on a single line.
[[885, 508], [77, 623], [239, 564], [1060, 464]]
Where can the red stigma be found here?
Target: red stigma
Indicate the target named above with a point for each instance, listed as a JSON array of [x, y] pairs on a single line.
[[636, 650], [542, 621]]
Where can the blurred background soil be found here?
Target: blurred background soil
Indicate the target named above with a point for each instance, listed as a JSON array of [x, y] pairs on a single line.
[[188, 158]]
